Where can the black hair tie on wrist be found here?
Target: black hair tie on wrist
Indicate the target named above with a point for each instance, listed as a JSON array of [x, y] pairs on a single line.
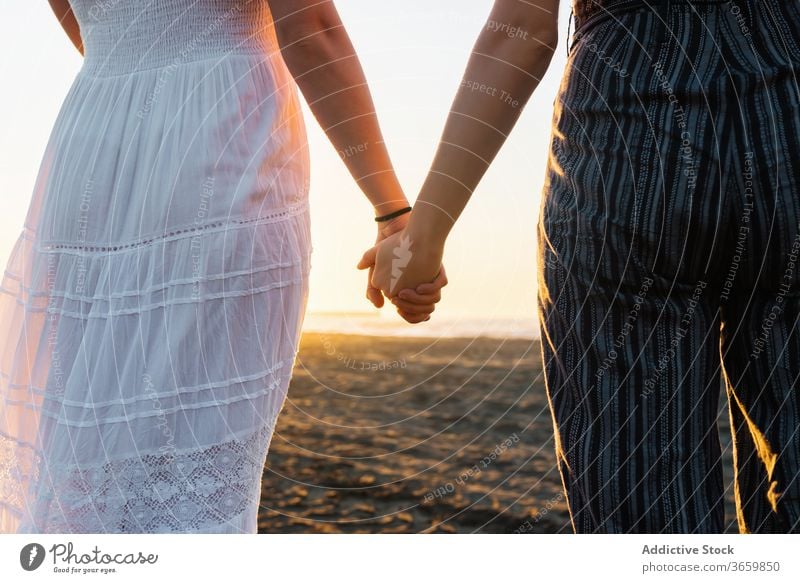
[[393, 215]]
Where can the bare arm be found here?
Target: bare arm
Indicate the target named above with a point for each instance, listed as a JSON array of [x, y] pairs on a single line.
[[509, 59], [67, 19], [318, 52]]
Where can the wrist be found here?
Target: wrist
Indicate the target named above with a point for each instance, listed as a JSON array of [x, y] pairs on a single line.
[[390, 200], [428, 226], [393, 215], [383, 209], [392, 226]]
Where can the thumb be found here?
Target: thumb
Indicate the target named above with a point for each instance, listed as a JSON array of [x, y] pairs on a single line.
[[368, 260]]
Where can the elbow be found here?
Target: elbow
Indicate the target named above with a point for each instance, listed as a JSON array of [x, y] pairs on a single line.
[[542, 52], [307, 45], [549, 42], [310, 52], [545, 51]]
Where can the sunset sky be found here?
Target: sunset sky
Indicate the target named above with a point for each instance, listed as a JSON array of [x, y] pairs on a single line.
[[414, 53]]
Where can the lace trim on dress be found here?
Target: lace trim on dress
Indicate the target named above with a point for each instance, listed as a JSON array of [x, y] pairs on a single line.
[[12, 476], [171, 492]]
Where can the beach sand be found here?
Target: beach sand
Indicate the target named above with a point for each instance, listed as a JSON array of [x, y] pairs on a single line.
[[418, 435]]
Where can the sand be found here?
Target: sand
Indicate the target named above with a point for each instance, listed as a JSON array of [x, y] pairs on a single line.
[[389, 435]]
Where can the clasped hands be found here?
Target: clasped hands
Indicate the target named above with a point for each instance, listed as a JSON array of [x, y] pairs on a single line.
[[405, 268]]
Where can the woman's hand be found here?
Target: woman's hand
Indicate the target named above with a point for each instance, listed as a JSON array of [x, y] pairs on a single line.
[[385, 230]]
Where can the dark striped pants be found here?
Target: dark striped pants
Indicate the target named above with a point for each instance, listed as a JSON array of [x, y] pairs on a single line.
[[669, 253]]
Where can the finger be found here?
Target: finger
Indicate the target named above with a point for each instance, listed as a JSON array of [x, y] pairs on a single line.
[[412, 296], [414, 318], [368, 259], [410, 308], [374, 295], [435, 285]]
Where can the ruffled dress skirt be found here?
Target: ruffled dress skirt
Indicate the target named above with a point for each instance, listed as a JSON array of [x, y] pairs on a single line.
[[151, 308]]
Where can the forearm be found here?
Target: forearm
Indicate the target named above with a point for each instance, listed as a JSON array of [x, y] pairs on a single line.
[[329, 74], [69, 23], [500, 78]]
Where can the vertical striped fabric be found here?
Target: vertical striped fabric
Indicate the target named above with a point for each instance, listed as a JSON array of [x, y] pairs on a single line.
[[669, 254]]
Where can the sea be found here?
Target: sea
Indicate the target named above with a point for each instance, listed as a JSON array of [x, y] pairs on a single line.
[[388, 323]]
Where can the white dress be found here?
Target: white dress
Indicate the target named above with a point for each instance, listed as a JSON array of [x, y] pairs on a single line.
[[151, 309]]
